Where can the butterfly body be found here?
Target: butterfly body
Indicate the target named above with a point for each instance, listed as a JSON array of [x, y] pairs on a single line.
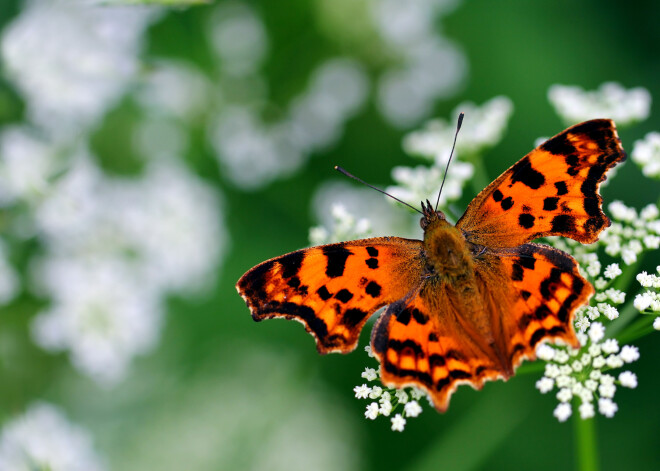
[[469, 302]]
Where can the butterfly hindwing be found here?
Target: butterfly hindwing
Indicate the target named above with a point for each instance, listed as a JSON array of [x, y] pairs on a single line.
[[425, 343], [333, 289], [553, 190], [547, 289]]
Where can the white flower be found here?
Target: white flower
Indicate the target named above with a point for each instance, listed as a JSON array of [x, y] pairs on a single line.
[[582, 324], [238, 37], [574, 104], [586, 410], [369, 374], [607, 407], [613, 361], [561, 356], [421, 182], [412, 409], [596, 332], [362, 391], [42, 438], [629, 353], [563, 411], [385, 408], [643, 301], [646, 154], [628, 379], [545, 384], [610, 346], [100, 313], [375, 392], [401, 396], [372, 411], [564, 395], [612, 271], [545, 352], [656, 323], [617, 297], [607, 390], [398, 423], [621, 212], [369, 352], [71, 60]]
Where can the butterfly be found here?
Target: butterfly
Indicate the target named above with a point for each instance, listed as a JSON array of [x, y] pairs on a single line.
[[469, 302]]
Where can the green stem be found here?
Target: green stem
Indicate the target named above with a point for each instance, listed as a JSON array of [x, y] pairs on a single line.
[[585, 443]]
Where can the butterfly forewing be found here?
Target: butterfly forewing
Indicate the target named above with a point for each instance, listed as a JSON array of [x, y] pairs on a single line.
[[333, 289], [553, 190]]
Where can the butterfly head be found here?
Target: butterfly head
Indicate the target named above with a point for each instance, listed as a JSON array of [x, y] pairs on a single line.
[[431, 217]]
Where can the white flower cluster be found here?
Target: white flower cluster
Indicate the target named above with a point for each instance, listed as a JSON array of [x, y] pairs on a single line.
[[251, 151], [415, 184], [611, 100], [483, 127], [44, 439], [344, 227], [428, 65], [71, 60], [114, 248], [583, 374], [385, 401], [646, 154], [648, 302]]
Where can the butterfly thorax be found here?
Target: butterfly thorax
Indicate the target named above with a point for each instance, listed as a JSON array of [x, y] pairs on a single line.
[[448, 253]]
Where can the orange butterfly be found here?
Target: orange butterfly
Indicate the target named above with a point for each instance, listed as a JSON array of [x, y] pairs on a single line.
[[469, 302]]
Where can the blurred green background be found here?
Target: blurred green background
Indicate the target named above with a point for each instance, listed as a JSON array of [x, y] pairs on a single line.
[[218, 391]]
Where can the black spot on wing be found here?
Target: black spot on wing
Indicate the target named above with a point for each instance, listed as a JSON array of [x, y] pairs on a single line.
[[419, 316], [563, 223], [558, 145], [526, 220], [399, 346], [373, 289], [372, 251], [507, 203], [344, 295], [353, 317], [403, 316], [497, 195], [550, 203], [524, 173], [372, 263], [562, 189], [537, 336], [291, 263], [336, 255], [433, 337], [525, 294], [323, 293]]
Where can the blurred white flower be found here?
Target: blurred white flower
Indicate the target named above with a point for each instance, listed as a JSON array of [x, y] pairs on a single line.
[[611, 100], [429, 66], [251, 153], [175, 89], [239, 38], [100, 312], [42, 438], [646, 154], [114, 249], [337, 90], [72, 60], [346, 211], [482, 128], [27, 164]]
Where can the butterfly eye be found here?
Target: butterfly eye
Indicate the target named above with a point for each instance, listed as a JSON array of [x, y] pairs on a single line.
[[423, 223]]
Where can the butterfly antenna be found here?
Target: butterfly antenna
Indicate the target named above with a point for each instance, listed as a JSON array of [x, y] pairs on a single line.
[[339, 169], [458, 128]]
